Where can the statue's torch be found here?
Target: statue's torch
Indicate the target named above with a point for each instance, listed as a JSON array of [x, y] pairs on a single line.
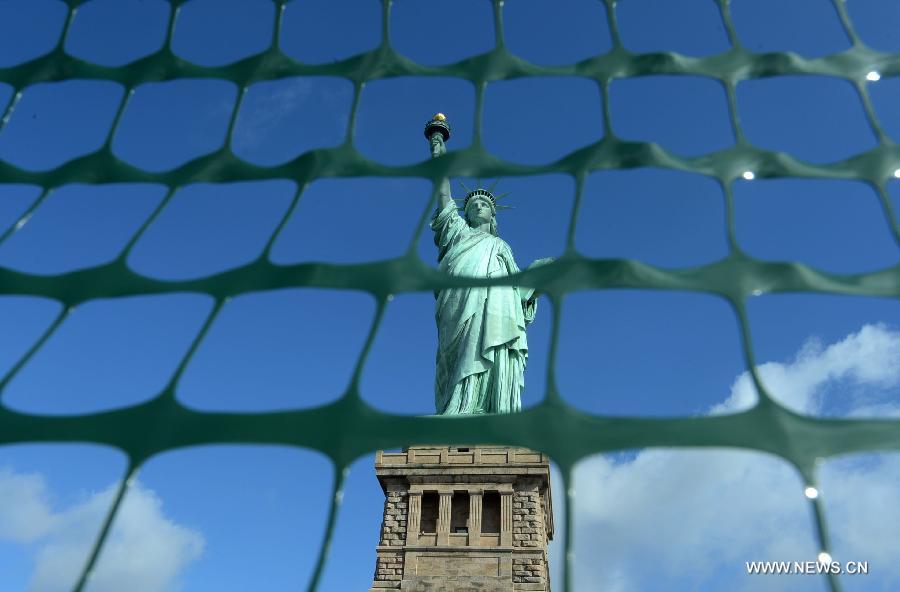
[[437, 131]]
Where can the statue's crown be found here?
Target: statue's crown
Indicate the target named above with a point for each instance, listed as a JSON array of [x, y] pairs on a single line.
[[485, 193], [480, 193]]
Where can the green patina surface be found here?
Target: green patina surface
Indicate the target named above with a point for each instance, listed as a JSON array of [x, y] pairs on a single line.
[[349, 427], [482, 345]]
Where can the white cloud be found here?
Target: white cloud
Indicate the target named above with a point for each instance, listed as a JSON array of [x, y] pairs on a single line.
[[25, 514], [268, 106], [869, 358], [688, 520], [145, 552], [861, 503], [269, 111]]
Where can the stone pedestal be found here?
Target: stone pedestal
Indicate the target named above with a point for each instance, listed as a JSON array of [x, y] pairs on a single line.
[[459, 518]]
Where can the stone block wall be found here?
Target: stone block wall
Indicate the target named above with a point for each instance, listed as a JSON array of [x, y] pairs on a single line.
[[389, 564], [529, 533], [528, 571], [394, 522], [389, 567], [528, 517]]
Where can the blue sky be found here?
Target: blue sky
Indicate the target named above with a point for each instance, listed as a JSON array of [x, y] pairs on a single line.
[[238, 518]]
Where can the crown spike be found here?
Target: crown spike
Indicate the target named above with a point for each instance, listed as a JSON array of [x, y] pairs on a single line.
[[502, 195], [494, 185], [466, 189]]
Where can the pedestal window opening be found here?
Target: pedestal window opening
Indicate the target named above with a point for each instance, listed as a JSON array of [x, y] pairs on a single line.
[[430, 502], [459, 512], [490, 513]]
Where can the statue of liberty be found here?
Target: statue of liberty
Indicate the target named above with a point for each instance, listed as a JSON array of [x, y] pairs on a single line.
[[482, 347]]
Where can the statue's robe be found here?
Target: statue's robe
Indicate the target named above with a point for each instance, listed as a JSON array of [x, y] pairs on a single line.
[[482, 349]]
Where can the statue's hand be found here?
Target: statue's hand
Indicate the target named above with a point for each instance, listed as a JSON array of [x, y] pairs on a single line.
[[437, 145], [538, 263]]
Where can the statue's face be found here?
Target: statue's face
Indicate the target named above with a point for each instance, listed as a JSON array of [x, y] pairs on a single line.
[[478, 211]]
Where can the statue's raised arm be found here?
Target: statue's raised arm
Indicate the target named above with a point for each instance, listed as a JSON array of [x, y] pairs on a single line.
[[437, 131]]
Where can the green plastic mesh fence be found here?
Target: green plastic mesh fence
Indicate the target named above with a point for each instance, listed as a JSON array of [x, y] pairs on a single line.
[[767, 427]]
